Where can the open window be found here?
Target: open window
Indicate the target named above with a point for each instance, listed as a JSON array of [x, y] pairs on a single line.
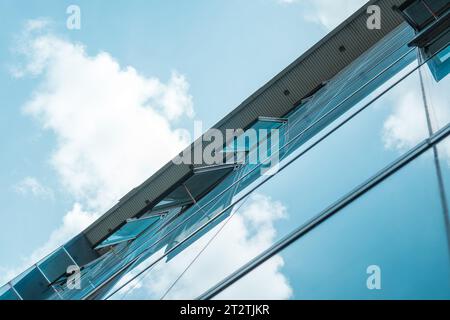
[[130, 231]]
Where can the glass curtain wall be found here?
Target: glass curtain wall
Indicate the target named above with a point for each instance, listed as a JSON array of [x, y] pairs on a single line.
[[386, 103]]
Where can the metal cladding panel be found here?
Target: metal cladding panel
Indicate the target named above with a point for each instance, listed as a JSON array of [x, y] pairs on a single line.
[[320, 63]]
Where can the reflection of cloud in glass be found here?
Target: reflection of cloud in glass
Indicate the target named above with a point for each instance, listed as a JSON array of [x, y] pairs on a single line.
[[249, 231], [406, 126]]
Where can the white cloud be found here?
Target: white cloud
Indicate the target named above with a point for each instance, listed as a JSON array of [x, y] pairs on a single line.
[[406, 125], [113, 125], [328, 13], [36, 24], [32, 186], [248, 232]]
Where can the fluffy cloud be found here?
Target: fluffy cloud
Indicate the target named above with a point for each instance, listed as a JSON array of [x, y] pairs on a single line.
[[406, 125], [245, 235], [32, 186], [113, 125], [328, 13]]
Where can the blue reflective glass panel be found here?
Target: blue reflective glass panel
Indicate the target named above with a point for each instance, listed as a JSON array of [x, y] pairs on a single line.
[[390, 243], [129, 231], [55, 265], [440, 64], [7, 293], [32, 285]]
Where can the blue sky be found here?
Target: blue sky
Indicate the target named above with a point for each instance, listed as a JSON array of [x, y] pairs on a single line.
[[193, 60]]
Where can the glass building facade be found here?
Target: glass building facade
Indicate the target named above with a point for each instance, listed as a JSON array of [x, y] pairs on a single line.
[[363, 175]]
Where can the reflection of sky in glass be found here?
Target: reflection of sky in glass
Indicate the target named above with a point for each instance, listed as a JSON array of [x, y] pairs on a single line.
[[397, 226]]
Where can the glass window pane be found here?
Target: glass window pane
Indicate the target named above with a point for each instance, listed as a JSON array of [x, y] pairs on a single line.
[[7, 293], [438, 96], [439, 65], [55, 265], [247, 142], [33, 285], [437, 6], [395, 231], [419, 13], [129, 231]]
